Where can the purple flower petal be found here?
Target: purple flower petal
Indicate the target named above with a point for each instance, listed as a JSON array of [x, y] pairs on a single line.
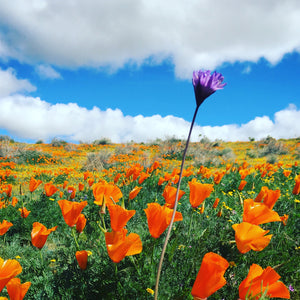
[[206, 84]]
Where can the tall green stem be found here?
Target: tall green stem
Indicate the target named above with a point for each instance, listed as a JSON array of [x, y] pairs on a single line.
[[175, 206]]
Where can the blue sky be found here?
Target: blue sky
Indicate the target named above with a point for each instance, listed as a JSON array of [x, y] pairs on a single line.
[[123, 83]]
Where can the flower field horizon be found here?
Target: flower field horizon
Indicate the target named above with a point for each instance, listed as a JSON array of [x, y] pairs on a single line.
[[88, 221]]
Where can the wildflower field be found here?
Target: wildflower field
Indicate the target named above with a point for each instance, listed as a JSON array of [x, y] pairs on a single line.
[[88, 221]]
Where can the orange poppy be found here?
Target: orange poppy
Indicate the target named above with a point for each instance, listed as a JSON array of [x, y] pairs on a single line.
[[216, 203], [159, 218], [33, 184], [262, 194], [249, 236], [117, 177], [119, 245], [271, 198], [119, 216], [80, 186], [50, 189], [81, 222], [71, 210], [108, 193], [24, 212], [210, 277], [287, 173], [14, 201], [260, 280], [244, 173], [4, 226], [8, 190], [72, 191], [296, 189], [82, 257], [218, 177], [39, 234], [268, 196], [134, 192], [199, 192], [8, 270], [91, 181], [16, 290], [284, 219], [242, 185], [170, 194], [143, 177], [258, 213], [65, 184]]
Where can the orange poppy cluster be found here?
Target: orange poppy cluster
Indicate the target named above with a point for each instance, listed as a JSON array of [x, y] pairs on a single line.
[[9, 269], [120, 243], [248, 234]]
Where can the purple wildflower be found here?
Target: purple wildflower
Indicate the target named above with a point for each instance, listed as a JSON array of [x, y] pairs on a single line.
[[291, 288], [206, 84]]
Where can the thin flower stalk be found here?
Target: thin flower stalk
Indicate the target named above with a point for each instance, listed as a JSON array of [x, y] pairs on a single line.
[[205, 84]]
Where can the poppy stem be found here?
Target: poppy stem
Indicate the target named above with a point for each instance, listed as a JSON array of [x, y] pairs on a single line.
[[191, 221], [175, 205], [75, 239]]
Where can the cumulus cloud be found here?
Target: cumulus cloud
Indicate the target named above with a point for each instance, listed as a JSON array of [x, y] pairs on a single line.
[[32, 118], [47, 72], [193, 34], [10, 84]]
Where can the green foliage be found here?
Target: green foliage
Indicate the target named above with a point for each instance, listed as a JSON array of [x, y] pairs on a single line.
[[55, 274]]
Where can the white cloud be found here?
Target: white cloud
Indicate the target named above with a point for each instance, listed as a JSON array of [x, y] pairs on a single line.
[[47, 72], [10, 84], [32, 118], [194, 34]]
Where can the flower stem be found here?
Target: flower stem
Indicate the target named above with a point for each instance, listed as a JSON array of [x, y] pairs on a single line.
[[75, 239], [175, 206]]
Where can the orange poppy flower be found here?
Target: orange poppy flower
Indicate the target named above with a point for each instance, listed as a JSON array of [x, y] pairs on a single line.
[[143, 177], [14, 201], [33, 184], [260, 280], [284, 219], [82, 257], [108, 193], [72, 192], [119, 245], [242, 185], [159, 218], [134, 192], [8, 190], [16, 290], [287, 173], [8, 270], [91, 181], [199, 192], [218, 177], [71, 210], [119, 216], [262, 194], [268, 196], [210, 277], [50, 189], [80, 186], [39, 234], [216, 203], [258, 213], [170, 193], [296, 189], [24, 212], [249, 236], [81, 222], [4, 226]]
